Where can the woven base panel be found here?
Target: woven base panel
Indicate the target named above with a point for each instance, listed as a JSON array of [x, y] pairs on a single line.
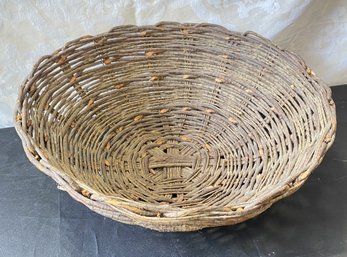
[[175, 127]]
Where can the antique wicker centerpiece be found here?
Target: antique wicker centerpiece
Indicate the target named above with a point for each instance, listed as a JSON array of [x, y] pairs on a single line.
[[175, 127]]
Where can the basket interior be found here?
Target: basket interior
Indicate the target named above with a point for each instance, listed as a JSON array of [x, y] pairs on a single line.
[[184, 118]]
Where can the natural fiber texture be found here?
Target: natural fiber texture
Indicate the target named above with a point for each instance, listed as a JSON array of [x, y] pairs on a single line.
[[175, 127]]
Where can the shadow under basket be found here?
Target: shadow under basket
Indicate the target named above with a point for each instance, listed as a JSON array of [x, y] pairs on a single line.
[[175, 127]]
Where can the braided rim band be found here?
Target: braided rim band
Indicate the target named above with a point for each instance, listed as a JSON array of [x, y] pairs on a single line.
[[175, 127]]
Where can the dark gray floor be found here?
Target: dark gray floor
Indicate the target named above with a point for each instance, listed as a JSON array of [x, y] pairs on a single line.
[[36, 219]]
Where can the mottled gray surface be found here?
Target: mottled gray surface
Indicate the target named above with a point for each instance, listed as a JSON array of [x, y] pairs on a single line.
[[36, 219]]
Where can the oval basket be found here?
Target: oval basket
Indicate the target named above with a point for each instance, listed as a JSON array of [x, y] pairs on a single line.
[[175, 127]]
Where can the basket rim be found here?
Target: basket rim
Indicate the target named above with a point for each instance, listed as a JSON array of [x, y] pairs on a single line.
[[66, 183]]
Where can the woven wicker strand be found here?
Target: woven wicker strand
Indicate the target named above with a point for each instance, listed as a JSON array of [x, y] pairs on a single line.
[[175, 127]]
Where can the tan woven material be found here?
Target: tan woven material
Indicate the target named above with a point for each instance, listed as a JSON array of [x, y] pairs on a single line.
[[175, 127]]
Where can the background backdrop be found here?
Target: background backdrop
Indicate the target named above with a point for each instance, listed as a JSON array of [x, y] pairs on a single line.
[[315, 29]]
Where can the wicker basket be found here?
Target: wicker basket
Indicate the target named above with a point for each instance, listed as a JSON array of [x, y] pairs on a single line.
[[175, 127]]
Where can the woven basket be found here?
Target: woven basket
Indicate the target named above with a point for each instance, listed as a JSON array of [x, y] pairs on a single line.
[[175, 127]]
